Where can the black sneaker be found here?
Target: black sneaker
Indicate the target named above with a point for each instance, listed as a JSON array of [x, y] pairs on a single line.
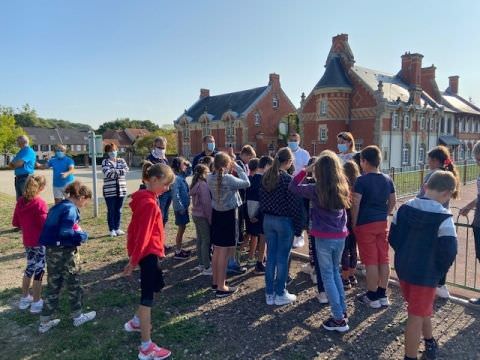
[[181, 255], [260, 268], [289, 280], [431, 348], [333, 325], [353, 280], [474, 301], [346, 284], [231, 290]]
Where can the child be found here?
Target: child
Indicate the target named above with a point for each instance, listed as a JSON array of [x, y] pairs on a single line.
[[181, 202], [349, 256], [30, 215], [208, 161], [439, 159], [252, 226], [225, 214], [475, 204], [202, 216], [145, 245], [329, 198], [373, 200], [61, 235], [424, 239]]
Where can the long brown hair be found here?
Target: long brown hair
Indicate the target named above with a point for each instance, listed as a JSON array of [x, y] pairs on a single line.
[[200, 174], [221, 163], [442, 155], [331, 184], [352, 172], [270, 178], [76, 190], [33, 186]]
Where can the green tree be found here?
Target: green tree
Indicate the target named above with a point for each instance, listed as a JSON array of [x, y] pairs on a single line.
[[9, 131], [144, 145], [121, 124]]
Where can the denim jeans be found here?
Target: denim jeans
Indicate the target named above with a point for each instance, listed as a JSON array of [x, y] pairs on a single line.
[[278, 232], [164, 202], [114, 211], [329, 253], [20, 182]]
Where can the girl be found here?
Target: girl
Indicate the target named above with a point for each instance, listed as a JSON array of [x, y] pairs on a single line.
[[330, 197], [346, 146], [61, 235], [252, 225], [349, 256], [114, 188], [439, 159], [181, 202], [282, 220], [30, 215], [145, 245], [202, 216], [225, 203]]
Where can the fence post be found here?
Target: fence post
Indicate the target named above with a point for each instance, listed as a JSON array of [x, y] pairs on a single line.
[[465, 172], [392, 173], [422, 173]]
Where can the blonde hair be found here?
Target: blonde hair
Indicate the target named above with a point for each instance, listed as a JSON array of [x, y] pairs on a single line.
[[162, 171], [347, 136], [77, 190], [331, 184], [220, 163], [33, 186], [270, 178], [352, 172], [200, 174]]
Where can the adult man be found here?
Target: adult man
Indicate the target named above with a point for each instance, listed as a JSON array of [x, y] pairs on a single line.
[[23, 163], [300, 156], [208, 150]]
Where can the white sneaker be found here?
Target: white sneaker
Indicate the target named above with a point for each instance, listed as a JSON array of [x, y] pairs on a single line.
[[207, 272], [313, 277], [322, 298], [36, 307], [119, 232], [442, 292], [84, 317], [384, 301], [25, 302], [307, 269], [270, 299], [45, 326], [285, 299], [113, 233], [199, 268]]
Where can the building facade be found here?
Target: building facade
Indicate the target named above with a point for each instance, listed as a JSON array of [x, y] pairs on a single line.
[[235, 119]]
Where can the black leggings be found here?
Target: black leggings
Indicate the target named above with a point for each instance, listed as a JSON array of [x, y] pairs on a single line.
[[349, 255], [151, 279], [312, 250]]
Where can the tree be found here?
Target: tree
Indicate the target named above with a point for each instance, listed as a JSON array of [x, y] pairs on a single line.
[[121, 124], [143, 145], [9, 131]]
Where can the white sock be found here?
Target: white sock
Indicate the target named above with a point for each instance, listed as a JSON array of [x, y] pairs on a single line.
[[136, 320]]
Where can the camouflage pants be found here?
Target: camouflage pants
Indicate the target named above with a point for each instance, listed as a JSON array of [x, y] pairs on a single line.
[[63, 267]]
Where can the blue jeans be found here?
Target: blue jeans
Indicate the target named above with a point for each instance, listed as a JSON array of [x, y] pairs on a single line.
[[114, 211], [278, 232], [329, 254], [164, 202], [20, 182]]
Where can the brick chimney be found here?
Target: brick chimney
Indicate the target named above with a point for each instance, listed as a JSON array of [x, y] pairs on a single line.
[[204, 93], [411, 71], [453, 84], [428, 82], [341, 47], [274, 80]]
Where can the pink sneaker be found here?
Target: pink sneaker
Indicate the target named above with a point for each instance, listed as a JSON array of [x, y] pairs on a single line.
[[130, 326], [153, 352]]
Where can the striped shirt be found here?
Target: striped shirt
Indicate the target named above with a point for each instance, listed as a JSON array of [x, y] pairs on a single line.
[[114, 182]]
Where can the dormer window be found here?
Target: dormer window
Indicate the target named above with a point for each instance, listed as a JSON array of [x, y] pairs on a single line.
[[257, 119], [323, 107], [275, 102]]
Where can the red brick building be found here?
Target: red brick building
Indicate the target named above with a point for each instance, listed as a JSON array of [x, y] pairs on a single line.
[[235, 119]]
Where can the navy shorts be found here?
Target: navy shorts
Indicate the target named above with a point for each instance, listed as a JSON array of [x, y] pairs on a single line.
[[181, 219]]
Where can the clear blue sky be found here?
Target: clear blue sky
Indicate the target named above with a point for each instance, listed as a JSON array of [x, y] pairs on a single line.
[[92, 61]]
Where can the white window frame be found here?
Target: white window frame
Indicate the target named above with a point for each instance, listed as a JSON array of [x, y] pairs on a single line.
[[323, 107], [323, 134], [385, 154], [421, 154], [275, 102], [407, 124], [186, 133], [395, 122], [432, 124], [406, 151], [257, 118], [422, 122], [52, 137], [205, 129]]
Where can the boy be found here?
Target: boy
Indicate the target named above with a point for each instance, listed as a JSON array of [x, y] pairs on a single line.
[[425, 243], [373, 200]]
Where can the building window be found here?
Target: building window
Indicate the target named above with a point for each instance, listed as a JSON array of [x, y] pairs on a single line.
[[323, 107], [230, 132], [385, 154], [186, 133], [205, 129], [395, 121], [406, 154], [421, 154], [449, 126], [79, 147], [477, 126], [422, 122], [323, 134], [275, 102], [432, 124], [442, 126], [469, 152], [406, 122], [35, 147], [257, 119], [52, 137], [44, 148]]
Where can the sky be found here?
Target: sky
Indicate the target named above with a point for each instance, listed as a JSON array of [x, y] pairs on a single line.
[[93, 61]]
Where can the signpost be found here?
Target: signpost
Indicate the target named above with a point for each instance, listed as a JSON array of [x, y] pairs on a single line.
[[95, 150]]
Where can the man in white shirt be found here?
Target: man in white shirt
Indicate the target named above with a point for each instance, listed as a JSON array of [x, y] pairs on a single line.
[[301, 156]]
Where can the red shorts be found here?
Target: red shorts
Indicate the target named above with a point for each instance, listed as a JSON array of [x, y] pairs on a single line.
[[372, 240], [419, 298]]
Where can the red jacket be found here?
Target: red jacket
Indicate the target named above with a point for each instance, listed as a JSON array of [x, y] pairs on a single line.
[[30, 217], [145, 233]]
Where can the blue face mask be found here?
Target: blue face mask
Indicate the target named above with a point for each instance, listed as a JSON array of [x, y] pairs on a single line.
[[112, 154], [293, 145], [59, 154], [210, 147], [343, 148]]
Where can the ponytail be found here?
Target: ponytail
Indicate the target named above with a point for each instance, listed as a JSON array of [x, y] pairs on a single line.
[[442, 155], [77, 190], [221, 162], [270, 178], [33, 186]]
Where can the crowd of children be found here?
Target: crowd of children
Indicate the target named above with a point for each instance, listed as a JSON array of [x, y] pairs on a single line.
[[348, 201]]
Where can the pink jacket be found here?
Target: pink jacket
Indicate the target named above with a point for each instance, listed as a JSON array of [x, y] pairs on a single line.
[[201, 200], [30, 217]]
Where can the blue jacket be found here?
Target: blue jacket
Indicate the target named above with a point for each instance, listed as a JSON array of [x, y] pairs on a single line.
[[61, 227], [180, 194], [425, 241]]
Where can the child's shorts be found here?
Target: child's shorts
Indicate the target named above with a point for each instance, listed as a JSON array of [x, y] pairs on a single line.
[[35, 262], [419, 298], [372, 240], [181, 219], [151, 279]]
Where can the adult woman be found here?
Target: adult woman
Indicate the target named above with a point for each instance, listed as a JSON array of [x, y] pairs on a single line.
[[282, 220], [346, 146], [114, 187]]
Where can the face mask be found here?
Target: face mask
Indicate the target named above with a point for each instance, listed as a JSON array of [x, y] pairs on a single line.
[[59, 154], [343, 148], [112, 154], [159, 153], [293, 145], [210, 147]]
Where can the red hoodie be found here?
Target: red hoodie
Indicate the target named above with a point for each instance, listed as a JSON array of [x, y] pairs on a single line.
[[145, 232], [30, 216]]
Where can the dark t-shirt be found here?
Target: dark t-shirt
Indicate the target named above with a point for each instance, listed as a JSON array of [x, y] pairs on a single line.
[[375, 190], [253, 192]]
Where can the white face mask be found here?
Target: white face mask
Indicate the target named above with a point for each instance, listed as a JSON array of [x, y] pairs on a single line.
[[159, 153]]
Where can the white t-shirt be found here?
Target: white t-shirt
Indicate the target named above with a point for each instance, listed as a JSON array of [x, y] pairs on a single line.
[[300, 160]]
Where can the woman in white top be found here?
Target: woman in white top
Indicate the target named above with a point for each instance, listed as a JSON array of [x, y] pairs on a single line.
[[346, 146]]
